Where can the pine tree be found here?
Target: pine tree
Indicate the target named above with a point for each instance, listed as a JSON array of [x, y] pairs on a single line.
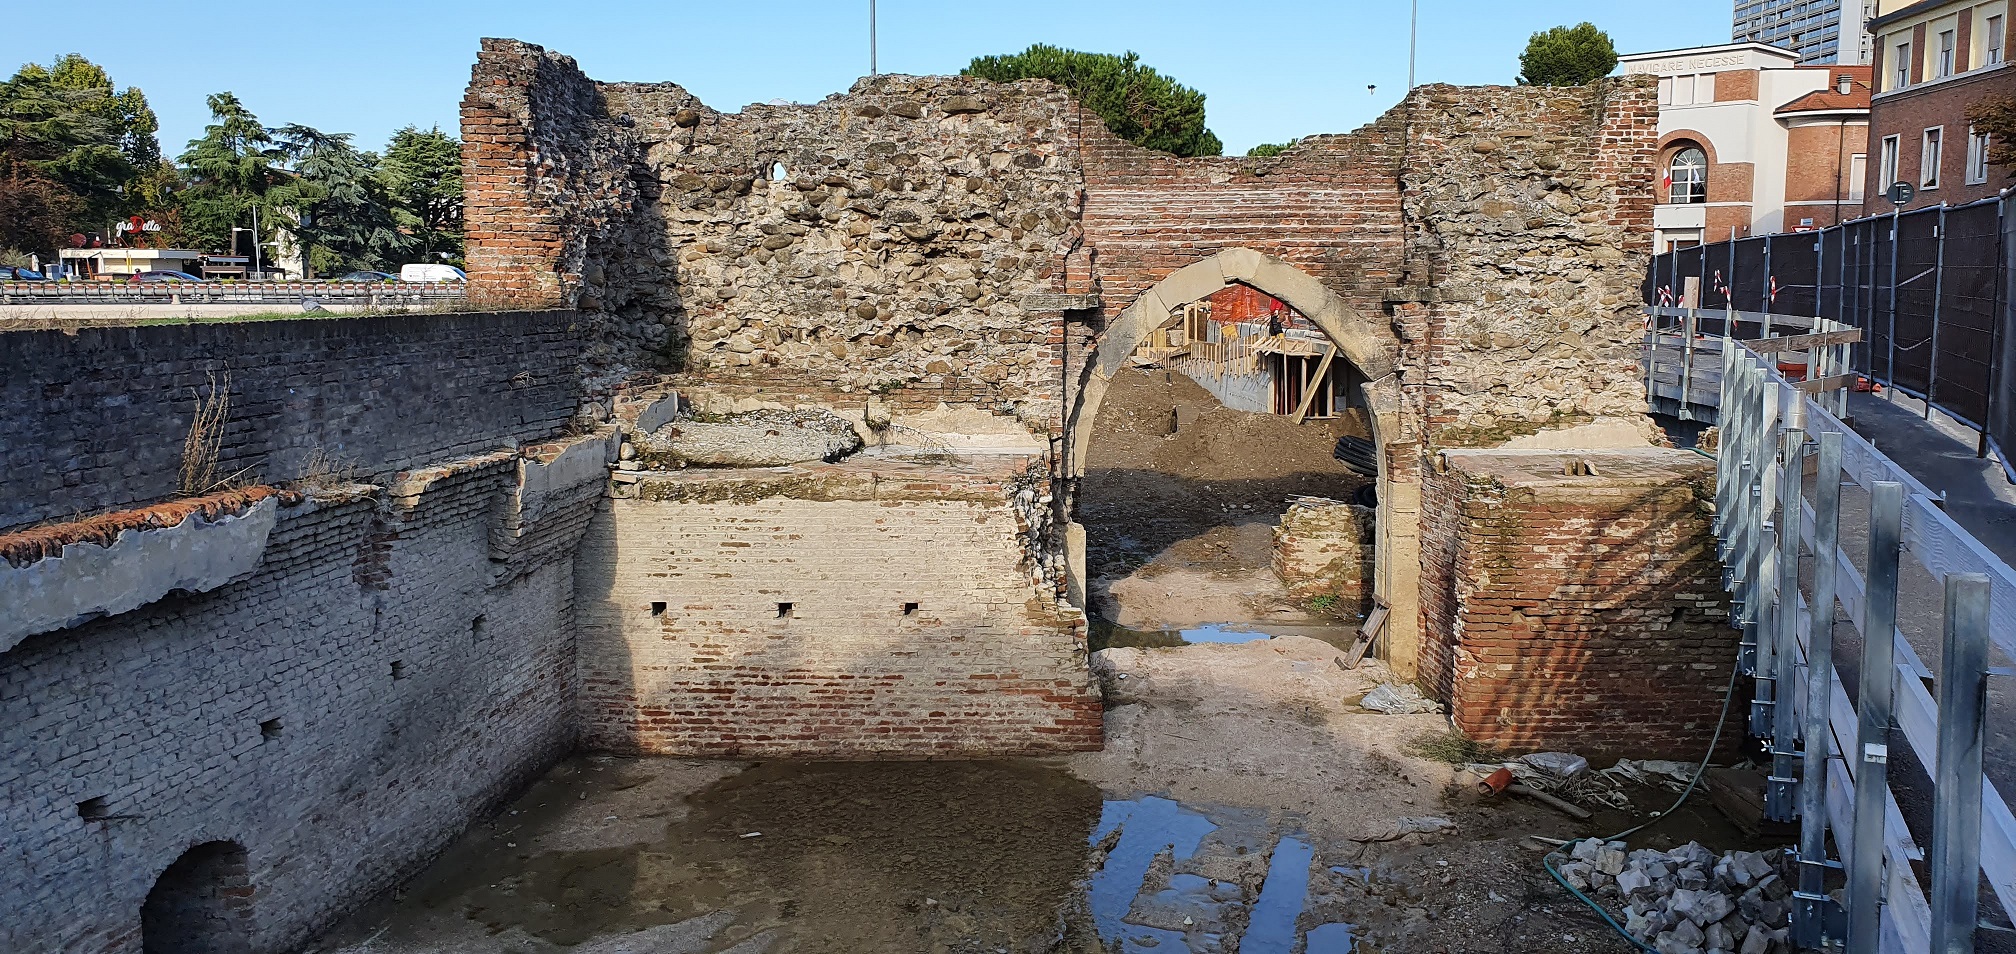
[[1138, 104], [230, 170], [1567, 56], [73, 150], [422, 172], [333, 202]]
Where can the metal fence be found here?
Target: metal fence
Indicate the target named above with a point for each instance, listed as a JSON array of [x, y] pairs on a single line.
[[1787, 470], [1930, 290], [372, 294]]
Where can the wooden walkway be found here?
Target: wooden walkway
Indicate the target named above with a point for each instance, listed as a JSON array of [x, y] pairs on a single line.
[[1682, 360]]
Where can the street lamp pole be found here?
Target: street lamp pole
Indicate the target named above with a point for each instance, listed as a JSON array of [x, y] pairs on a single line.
[[1413, 33], [871, 39]]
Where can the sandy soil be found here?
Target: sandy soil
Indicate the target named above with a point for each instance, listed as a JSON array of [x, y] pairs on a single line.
[[1272, 725], [1181, 496]]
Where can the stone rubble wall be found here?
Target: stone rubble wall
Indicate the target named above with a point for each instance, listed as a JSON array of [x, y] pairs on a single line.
[[1323, 550], [1576, 612], [914, 240], [877, 243], [1529, 214], [828, 612]]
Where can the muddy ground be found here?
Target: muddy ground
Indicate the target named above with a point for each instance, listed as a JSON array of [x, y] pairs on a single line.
[[1243, 802], [1180, 498]]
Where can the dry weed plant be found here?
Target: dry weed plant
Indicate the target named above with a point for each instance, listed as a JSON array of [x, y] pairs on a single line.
[[205, 442], [325, 473]]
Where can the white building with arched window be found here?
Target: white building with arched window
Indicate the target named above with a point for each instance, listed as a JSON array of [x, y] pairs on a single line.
[[1750, 142]]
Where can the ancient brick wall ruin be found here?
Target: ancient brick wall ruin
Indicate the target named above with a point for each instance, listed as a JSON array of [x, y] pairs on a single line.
[[890, 240], [934, 259], [111, 407], [853, 610], [1576, 599], [1323, 551], [379, 680]]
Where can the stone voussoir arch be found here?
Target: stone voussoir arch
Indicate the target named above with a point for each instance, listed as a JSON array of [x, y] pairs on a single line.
[[1368, 343]]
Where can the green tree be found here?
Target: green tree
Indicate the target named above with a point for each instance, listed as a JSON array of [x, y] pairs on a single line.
[[1567, 56], [1266, 149], [333, 203], [422, 172], [72, 150], [230, 170], [1995, 116], [1137, 103]]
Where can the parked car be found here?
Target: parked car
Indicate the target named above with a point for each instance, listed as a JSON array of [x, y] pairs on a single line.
[[162, 275], [368, 277], [423, 272], [15, 273]]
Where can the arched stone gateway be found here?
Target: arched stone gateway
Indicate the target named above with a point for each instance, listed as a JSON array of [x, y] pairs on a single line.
[[1367, 342], [201, 904]]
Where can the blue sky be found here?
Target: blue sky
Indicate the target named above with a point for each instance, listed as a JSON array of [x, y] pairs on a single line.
[[1271, 71]]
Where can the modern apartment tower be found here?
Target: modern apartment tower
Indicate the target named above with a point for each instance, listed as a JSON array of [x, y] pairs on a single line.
[[1819, 31]]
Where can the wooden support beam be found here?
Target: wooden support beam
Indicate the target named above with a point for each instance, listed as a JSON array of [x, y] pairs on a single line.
[[1309, 389], [1804, 342], [1818, 385]]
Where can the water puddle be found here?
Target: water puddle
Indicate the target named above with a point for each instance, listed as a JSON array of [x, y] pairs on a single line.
[[1177, 878], [980, 857], [1222, 633], [1106, 634]]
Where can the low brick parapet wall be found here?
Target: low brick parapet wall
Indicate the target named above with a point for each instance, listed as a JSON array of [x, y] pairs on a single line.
[[870, 609], [1572, 600]]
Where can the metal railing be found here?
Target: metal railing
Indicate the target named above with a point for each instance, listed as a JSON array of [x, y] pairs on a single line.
[[1682, 355], [371, 294], [1830, 757], [1931, 290]]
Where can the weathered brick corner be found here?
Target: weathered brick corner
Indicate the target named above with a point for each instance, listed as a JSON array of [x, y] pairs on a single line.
[[1576, 600]]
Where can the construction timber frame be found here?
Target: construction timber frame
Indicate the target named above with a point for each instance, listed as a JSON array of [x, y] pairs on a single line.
[[1784, 463]]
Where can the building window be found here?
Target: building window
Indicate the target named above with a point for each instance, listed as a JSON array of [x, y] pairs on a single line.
[[1977, 156], [1886, 169], [1900, 69], [1947, 44], [1687, 177], [1858, 170], [1928, 158], [1991, 52]]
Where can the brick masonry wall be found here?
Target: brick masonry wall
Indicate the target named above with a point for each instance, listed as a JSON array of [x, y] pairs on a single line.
[[102, 413], [1818, 159], [684, 650], [1576, 612], [1907, 113], [1324, 548], [268, 713], [533, 207], [1329, 206]]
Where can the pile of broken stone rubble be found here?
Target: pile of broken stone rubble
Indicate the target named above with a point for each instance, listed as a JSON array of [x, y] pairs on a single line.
[[1688, 900]]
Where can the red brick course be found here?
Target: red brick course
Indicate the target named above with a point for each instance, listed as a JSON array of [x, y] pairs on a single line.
[[1576, 612]]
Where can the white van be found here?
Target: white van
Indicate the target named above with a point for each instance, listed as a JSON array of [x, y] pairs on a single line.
[[424, 272]]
